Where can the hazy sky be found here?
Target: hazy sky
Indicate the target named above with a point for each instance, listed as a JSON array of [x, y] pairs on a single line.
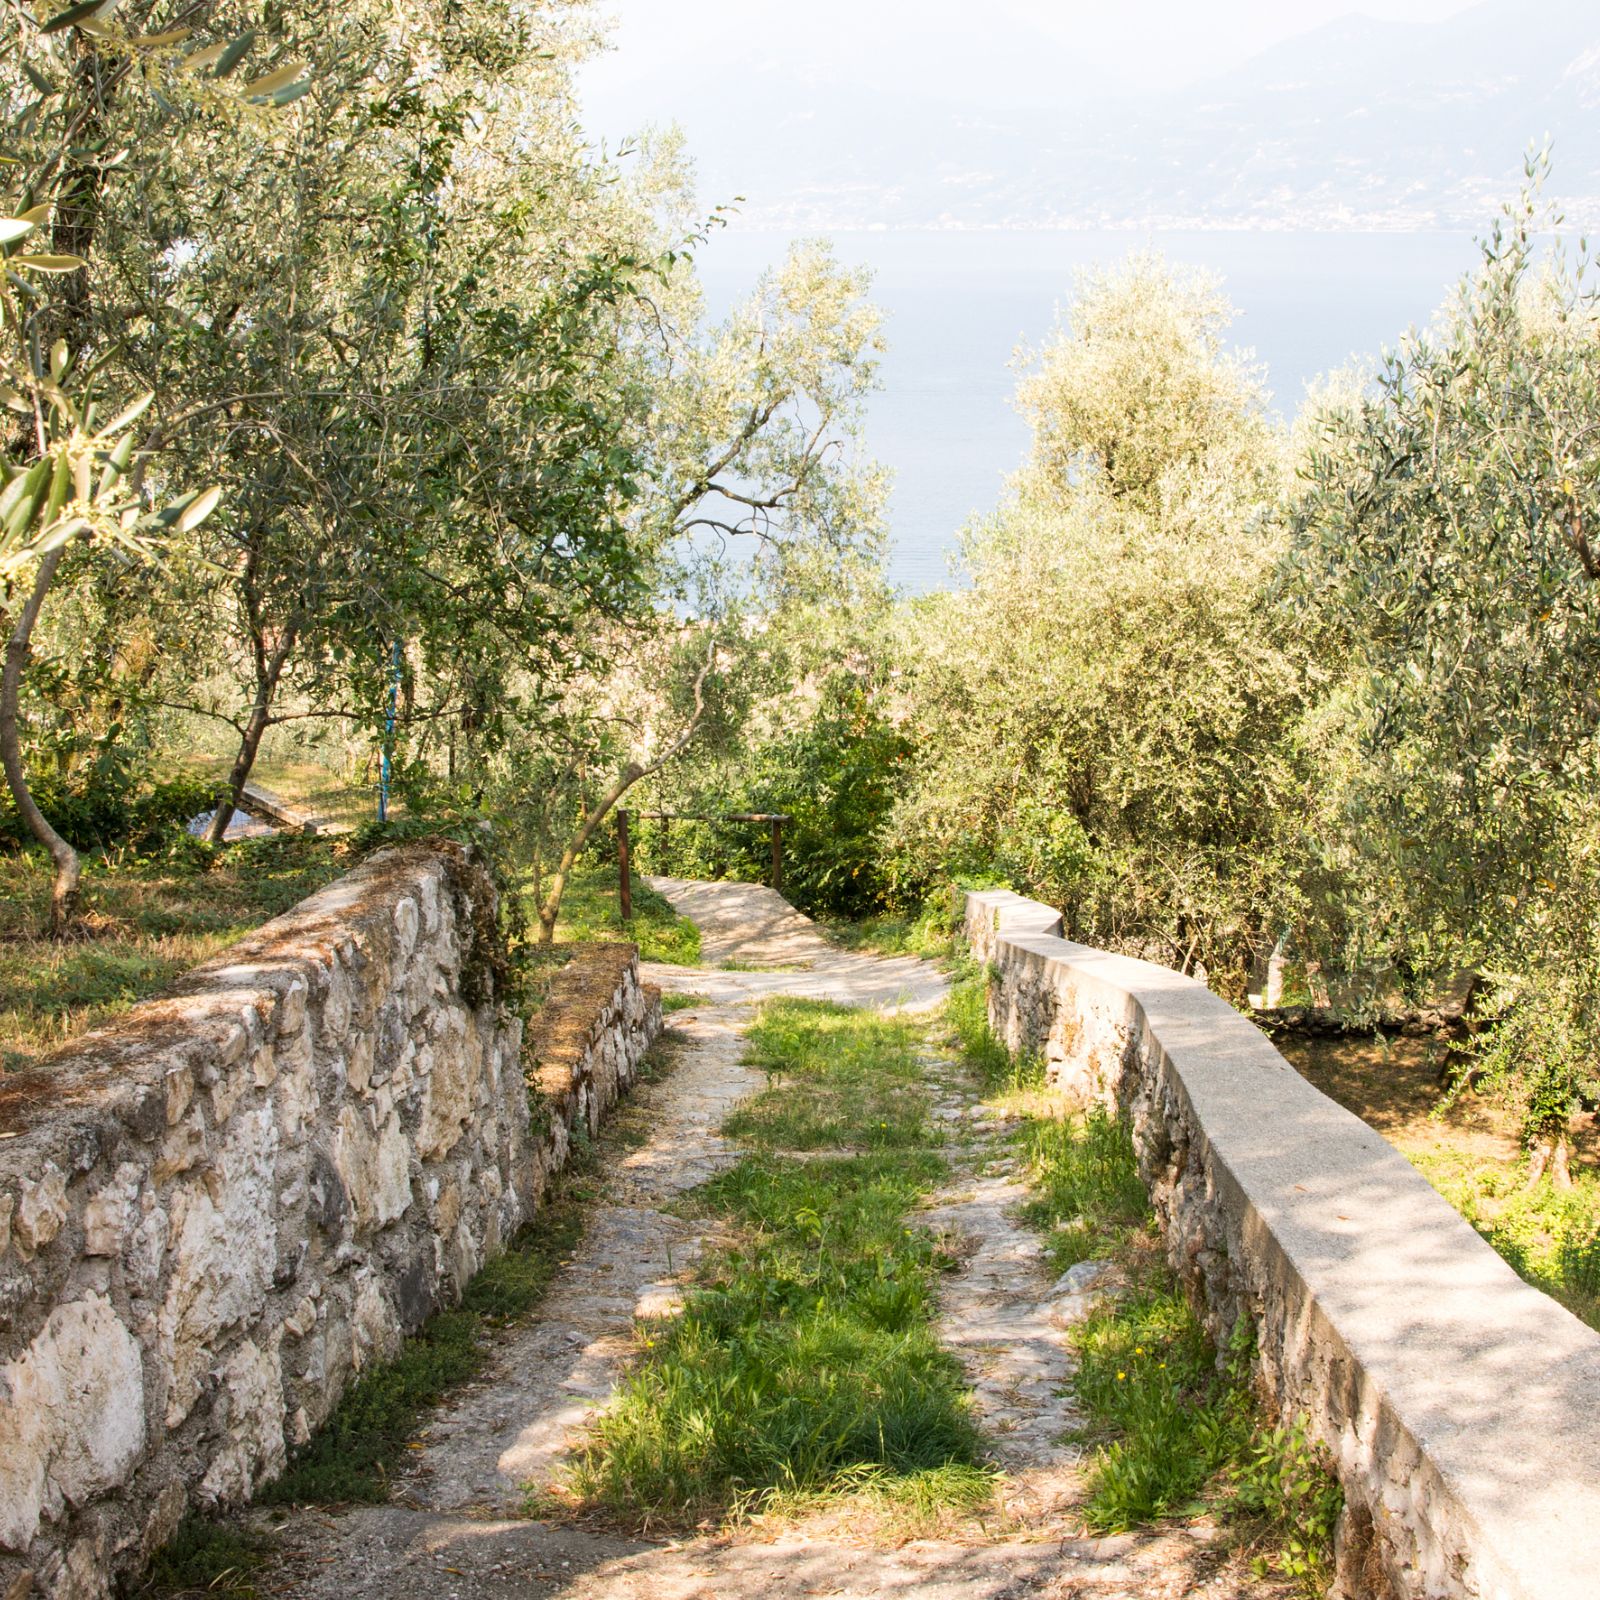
[[989, 50]]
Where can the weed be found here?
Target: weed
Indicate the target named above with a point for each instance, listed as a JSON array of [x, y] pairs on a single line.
[[967, 1014], [1284, 1479], [204, 1557], [836, 1078], [1084, 1175], [683, 1002], [1148, 1375]]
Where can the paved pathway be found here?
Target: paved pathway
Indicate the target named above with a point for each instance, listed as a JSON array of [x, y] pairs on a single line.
[[454, 1530]]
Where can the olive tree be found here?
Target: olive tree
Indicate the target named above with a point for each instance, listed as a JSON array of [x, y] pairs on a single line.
[[1445, 548], [69, 474], [1103, 718]]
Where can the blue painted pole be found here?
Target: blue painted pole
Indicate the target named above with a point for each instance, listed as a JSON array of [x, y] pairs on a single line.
[[388, 735]]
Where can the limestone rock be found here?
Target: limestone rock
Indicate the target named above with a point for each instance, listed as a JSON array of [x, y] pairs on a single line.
[[253, 1383], [374, 1169], [41, 1211], [71, 1417], [224, 1243]]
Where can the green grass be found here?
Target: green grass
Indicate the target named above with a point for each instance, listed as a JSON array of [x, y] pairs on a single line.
[[203, 1557], [1086, 1187], [895, 934], [1175, 1429], [966, 1015], [804, 1363], [150, 921], [683, 1002], [836, 1077], [590, 911]]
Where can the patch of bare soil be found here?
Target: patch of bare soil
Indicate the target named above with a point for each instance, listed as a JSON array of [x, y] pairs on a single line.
[[1397, 1086]]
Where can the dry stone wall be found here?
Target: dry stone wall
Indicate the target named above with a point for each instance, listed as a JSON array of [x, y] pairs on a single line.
[[217, 1211], [1460, 1405]]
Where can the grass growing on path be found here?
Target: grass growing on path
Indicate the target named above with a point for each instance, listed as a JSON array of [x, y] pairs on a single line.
[[804, 1362], [1175, 1427]]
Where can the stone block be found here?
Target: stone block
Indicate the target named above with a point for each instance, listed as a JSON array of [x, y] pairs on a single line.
[[41, 1211], [72, 1419], [223, 1245]]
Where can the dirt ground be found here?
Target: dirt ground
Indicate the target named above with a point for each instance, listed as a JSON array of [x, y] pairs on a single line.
[[1396, 1086]]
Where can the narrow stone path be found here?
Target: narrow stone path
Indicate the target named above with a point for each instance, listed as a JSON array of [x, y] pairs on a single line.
[[455, 1530]]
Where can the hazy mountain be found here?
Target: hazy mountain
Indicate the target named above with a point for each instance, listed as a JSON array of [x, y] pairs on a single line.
[[1357, 124]]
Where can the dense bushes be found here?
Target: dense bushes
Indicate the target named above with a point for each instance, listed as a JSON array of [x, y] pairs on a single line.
[[105, 807]]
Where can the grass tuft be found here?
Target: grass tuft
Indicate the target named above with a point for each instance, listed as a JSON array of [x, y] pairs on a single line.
[[837, 1078], [207, 1558], [683, 1002]]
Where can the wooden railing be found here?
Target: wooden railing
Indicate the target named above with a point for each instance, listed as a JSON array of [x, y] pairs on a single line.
[[773, 819]]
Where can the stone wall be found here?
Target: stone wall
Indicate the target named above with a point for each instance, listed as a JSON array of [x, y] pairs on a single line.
[[216, 1211], [1460, 1405]]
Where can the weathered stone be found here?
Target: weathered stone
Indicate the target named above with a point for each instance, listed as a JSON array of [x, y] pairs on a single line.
[[180, 1092], [375, 1170], [72, 1422], [146, 1249], [375, 1328], [256, 1244], [109, 1215], [41, 1211], [447, 1101], [302, 1319], [224, 1237], [254, 1447], [292, 1008], [182, 1149]]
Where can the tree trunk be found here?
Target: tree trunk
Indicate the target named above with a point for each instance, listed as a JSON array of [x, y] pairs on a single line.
[[269, 672], [68, 868], [1549, 1157], [593, 816]]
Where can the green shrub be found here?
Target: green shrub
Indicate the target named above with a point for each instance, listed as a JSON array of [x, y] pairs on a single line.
[[1285, 1478], [105, 808]]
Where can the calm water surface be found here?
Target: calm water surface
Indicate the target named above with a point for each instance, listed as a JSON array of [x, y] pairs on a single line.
[[959, 304]]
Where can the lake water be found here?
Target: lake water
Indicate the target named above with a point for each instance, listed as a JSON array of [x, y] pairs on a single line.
[[959, 304]]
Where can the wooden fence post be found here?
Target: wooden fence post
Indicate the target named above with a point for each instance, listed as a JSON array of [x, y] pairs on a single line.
[[624, 870], [777, 853]]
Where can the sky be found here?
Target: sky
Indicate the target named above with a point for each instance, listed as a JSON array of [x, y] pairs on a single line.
[[996, 51]]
